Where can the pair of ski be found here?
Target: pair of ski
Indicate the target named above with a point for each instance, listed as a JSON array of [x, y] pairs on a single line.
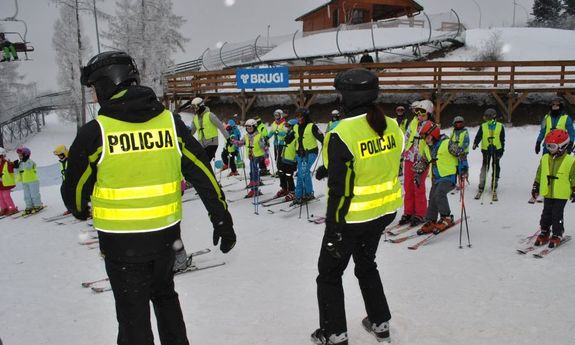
[[425, 240], [316, 219], [22, 215], [530, 247], [94, 285], [294, 206], [13, 215], [243, 188], [494, 197]]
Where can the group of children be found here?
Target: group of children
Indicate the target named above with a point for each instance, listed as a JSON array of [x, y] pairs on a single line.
[[295, 148]]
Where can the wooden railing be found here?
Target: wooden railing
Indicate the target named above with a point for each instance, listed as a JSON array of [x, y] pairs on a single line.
[[509, 82]]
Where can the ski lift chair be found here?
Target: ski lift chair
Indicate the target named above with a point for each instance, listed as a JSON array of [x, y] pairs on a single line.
[[20, 45]]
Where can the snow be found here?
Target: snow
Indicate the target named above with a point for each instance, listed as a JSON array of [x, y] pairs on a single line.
[[266, 292]]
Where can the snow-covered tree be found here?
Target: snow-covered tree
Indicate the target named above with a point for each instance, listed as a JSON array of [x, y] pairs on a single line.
[[70, 54], [569, 7], [148, 30], [546, 13]]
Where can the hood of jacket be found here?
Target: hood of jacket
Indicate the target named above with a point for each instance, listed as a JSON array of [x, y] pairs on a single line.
[[134, 104]]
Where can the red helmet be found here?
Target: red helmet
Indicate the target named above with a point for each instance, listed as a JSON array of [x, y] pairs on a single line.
[[429, 128], [557, 141], [24, 151]]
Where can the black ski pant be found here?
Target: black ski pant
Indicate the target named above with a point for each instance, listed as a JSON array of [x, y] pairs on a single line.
[[285, 172], [211, 151], [360, 241], [438, 202], [552, 215], [490, 163], [230, 158], [134, 286]]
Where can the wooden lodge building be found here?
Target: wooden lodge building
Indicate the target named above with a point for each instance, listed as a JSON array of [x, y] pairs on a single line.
[[336, 12]]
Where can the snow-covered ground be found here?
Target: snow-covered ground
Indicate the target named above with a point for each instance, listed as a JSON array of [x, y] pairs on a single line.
[[265, 294]]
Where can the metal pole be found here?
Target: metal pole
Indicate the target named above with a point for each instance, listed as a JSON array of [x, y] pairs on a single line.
[[514, 3], [81, 116], [479, 8], [96, 21], [268, 37]]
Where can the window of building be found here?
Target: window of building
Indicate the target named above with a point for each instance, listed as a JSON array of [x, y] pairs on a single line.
[[358, 16]]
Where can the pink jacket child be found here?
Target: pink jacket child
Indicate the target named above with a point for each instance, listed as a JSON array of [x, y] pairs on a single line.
[[7, 182]]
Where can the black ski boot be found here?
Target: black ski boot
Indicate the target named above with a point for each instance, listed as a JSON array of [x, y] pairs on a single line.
[[320, 338], [380, 332]]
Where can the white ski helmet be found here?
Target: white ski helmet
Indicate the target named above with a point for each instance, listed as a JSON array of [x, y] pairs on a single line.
[[278, 113], [197, 103], [251, 123], [426, 105], [335, 112]]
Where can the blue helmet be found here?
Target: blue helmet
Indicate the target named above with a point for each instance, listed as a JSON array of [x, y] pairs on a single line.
[[232, 123], [292, 122]]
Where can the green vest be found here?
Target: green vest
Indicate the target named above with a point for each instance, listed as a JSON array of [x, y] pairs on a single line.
[[491, 136], [207, 130], [279, 132], [446, 163], [403, 124], [290, 151], [561, 123], [253, 145], [460, 140], [138, 187], [8, 179], [262, 129], [558, 185], [376, 187], [309, 141], [27, 175]]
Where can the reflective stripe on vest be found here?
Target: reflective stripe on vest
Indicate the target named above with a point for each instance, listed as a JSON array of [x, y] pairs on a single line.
[[557, 186], [309, 141], [491, 136], [208, 130], [8, 179], [376, 188], [138, 187], [561, 123], [253, 143]]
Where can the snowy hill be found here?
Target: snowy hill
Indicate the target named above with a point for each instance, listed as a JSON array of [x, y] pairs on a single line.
[[265, 294]]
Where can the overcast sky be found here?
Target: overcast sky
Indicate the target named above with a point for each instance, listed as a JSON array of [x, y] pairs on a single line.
[[213, 21]]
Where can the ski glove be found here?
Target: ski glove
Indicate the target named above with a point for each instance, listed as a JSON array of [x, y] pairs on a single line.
[[224, 230], [474, 146], [321, 173], [416, 180], [537, 147], [535, 191], [332, 239]]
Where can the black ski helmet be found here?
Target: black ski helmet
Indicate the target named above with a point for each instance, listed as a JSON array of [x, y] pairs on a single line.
[[107, 72], [357, 86]]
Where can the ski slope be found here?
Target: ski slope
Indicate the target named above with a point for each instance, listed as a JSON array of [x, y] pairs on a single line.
[[266, 292]]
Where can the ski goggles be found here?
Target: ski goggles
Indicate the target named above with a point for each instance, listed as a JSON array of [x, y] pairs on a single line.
[[419, 112], [552, 147]]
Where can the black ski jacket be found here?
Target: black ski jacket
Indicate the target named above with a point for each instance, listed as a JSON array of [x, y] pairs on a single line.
[[138, 104]]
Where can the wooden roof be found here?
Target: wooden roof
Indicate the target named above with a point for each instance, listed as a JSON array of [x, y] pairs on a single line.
[[415, 5]]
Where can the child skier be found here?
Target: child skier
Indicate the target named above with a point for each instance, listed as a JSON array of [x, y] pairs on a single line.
[[7, 182], [28, 176], [443, 158], [555, 181], [255, 150], [230, 152], [278, 133], [61, 151], [334, 120], [460, 137], [287, 165]]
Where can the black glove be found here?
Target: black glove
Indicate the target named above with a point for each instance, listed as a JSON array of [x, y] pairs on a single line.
[[224, 229], [535, 191], [16, 164], [416, 180], [321, 172], [474, 146], [82, 215], [332, 239], [229, 141], [537, 147]]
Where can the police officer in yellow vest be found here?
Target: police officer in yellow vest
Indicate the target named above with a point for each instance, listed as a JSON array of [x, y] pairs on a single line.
[[131, 160], [491, 135], [556, 118], [361, 157], [207, 125], [555, 181]]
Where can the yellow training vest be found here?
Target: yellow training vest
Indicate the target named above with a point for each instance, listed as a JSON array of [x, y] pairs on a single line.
[[309, 141], [207, 130], [8, 179], [253, 144], [561, 123], [558, 185], [491, 136], [376, 187], [139, 174]]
